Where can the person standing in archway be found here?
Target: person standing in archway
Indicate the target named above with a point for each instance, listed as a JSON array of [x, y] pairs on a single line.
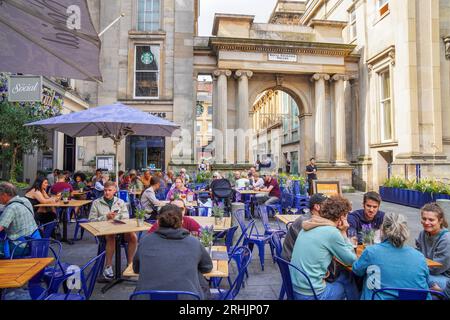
[[311, 171]]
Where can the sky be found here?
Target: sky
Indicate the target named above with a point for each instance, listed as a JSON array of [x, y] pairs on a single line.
[[261, 9]]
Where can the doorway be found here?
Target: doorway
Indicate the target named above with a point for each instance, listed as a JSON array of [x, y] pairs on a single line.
[[69, 153]]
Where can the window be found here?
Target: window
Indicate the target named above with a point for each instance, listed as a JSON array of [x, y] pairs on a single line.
[[210, 110], [352, 25], [148, 15], [383, 7], [146, 71], [386, 118]]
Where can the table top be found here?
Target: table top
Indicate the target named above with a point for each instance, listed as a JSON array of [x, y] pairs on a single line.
[[17, 272], [251, 192], [360, 249], [79, 193], [61, 204], [105, 228], [220, 267], [210, 221], [287, 218], [188, 204]]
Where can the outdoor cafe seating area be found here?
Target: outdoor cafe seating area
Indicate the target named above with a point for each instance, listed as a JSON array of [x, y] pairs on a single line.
[[232, 223]]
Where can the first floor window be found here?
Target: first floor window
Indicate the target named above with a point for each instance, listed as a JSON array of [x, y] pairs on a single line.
[[146, 71], [386, 110]]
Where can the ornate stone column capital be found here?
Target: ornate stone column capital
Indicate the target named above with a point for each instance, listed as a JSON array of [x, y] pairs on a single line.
[[447, 47], [319, 76], [218, 73], [239, 73], [338, 77]]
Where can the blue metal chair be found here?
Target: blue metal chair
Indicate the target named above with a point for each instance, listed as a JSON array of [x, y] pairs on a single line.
[[47, 229], [275, 240], [252, 236], [264, 215], [242, 256], [88, 276], [164, 295], [40, 248], [286, 277], [228, 236], [287, 201], [407, 294], [301, 202], [124, 195]]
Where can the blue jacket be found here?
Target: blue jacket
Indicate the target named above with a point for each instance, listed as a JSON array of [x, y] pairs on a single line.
[[393, 267]]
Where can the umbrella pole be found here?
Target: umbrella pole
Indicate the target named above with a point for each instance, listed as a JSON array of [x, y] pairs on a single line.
[[116, 143]]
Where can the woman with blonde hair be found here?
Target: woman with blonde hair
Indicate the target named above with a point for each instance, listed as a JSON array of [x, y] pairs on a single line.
[[391, 263], [434, 243]]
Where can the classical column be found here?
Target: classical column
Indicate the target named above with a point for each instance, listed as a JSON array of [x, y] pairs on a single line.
[[320, 140], [222, 113], [339, 104], [243, 114]]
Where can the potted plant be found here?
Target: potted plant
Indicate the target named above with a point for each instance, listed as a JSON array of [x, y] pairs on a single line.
[[368, 234], [65, 196], [217, 213], [140, 215], [207, 237]]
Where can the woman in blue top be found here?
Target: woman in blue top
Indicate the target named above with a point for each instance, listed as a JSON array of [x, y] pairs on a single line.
[[391, 263]]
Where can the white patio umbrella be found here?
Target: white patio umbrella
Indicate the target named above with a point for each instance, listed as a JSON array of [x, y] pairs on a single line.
[[116, 121]]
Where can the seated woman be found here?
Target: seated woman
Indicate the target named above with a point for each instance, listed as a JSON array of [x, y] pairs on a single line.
[[322, 238], [99, 186], [380, 263], [188, 223], [37, 195], [434, 243], [256, 181], [79, 181], [170, 258], [179, 189]]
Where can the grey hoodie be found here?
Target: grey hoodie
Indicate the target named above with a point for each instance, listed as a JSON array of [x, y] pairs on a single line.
[[171, 259], [436, 248]]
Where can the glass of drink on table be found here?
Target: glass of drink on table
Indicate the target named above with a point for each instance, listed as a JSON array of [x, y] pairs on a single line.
[[351, 233]]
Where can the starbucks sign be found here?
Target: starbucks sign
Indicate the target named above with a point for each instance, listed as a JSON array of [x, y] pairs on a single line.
[[147, 57]]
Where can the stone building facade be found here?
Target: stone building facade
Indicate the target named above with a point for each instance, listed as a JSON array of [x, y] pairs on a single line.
[[370, 77], [146, 62]]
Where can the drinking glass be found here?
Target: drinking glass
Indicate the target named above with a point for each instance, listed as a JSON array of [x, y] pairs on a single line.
[[294, 210], [351, 233]]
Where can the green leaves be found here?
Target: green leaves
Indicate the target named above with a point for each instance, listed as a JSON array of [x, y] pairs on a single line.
[[426, 185]]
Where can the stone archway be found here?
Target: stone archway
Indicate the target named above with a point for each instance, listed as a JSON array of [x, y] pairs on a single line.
[[301, 94]]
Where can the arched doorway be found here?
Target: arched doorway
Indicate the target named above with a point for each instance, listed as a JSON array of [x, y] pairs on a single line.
[[277, 133]]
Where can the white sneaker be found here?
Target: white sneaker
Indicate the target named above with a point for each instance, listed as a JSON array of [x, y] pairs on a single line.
[[108, 272]]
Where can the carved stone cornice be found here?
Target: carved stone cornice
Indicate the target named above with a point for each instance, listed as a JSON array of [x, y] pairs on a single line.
[[220, 72], [319, 76], [389, 53], [277, 46], [239, 73]]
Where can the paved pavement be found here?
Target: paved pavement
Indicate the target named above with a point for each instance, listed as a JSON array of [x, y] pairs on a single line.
[[261, 285]]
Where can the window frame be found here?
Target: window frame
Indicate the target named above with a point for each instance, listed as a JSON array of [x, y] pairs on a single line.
[[352, 29], [158, 72], [382, 102], [145, 15], [382, 7]]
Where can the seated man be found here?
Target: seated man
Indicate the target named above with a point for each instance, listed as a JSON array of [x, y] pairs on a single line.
[[188, 223], [370, 215], [149, 201], [135, 181], [61, 185], [272, 187], [17, 218], [110, 207], [315, 203]]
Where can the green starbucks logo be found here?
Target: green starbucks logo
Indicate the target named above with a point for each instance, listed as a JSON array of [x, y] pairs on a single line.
[[147, 58]]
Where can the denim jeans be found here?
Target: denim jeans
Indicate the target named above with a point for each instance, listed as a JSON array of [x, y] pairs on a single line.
[[439, 279], [263, 199], [343, 287]]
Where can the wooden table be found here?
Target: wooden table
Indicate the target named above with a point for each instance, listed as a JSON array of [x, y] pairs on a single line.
[[210, 221], [287, 218], [220, 267], [360, 249], [251, 193], [105, 228], [188, 204], [66, 206], [79, 193], [16, 273]]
